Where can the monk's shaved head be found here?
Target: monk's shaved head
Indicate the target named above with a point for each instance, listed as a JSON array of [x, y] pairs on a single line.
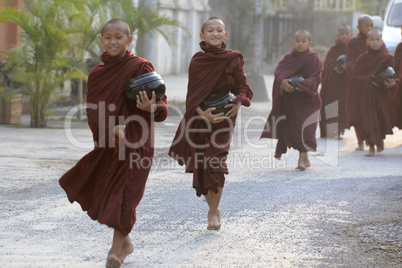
[[303, 33], [344, 27], [374, 39], [374, 32], [344, 33], [115, 21], [211, 19], [364, 18], [365, 24]]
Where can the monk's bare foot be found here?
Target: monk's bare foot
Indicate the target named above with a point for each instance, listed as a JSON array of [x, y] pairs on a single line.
[[126, 249], [380, 148], [360, 146], [112, 261], [307, 163], [303, 162], [214, 220], [300, 167], [371, 152]]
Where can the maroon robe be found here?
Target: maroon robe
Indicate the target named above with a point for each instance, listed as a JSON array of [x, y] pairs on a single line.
[[397, 111], [106, 182], [333, 90], [210, 70], [374, 114], [356, 46], [294, 116]]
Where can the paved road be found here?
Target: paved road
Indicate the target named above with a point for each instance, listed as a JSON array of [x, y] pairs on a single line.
[[343, 212]]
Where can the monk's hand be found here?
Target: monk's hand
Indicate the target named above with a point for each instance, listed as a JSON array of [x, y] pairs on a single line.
[[118, 132], [375, 84], [145, 104], [390, 83], [286, 86], [235, 107], [208, 115]]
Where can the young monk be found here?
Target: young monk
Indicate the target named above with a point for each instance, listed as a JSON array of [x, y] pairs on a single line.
[[374, 114], [203, 138], [356, 46], [103, 181], [294, 116], [333, 87]]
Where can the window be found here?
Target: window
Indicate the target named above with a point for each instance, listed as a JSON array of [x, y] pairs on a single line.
[[395, 15]]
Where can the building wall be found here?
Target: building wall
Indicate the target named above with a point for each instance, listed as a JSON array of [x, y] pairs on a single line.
[[169, 60], [9, 32]]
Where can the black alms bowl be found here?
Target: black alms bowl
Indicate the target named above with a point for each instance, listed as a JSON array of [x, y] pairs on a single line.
[[295, 80], [217, 99], [339, 62], [383, 74], [148, 82]]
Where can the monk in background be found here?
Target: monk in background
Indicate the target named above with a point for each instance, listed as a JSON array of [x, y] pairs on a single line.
[[203, 138], [397, 111], [295, 111], [374, 114], [356, 46], [333, 87]]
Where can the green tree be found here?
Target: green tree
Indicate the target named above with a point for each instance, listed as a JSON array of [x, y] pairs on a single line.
[[85, 18], [147, 20], [42, 59], [60, 35], [7, 85]]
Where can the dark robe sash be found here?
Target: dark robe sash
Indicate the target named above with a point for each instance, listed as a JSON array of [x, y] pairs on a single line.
[[373, 112], [104, 182], [210, 70], [294, 117]]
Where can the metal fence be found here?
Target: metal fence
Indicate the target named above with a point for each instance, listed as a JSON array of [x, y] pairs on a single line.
[[279, 30]]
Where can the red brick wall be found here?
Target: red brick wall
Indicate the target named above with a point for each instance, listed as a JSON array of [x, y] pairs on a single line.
[[9, 32]]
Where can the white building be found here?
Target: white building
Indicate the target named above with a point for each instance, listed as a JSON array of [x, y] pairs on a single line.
[[170, 60]]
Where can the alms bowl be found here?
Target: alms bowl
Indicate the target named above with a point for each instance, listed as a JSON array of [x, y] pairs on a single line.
[[295, 80], [339, 62], [147, 82], [218, 100], [383, 74]]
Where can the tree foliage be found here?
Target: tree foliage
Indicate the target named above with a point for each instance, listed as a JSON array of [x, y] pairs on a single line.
[[147, 20], [238, 17], [42, 65], [59, 36]]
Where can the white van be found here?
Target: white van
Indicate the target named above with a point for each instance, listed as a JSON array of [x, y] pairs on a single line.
[[391, 32]]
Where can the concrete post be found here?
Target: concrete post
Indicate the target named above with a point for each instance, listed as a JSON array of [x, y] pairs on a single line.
[[147, 44]]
